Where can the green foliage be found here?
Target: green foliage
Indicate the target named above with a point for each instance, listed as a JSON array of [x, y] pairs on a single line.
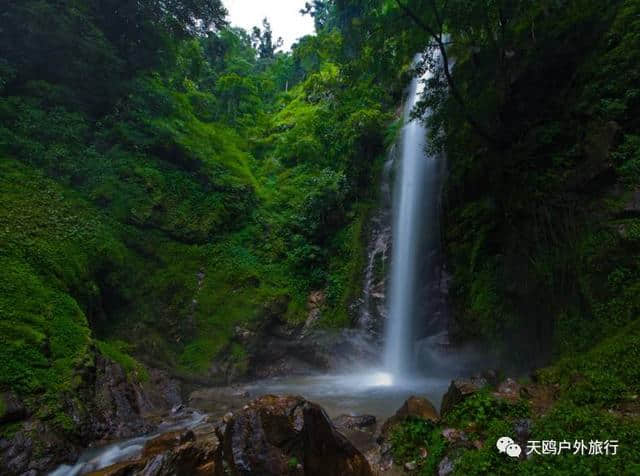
[[47, 240], [597, 397], [412, 436], [118, 352], [604, 376], [487, 460], [627, 160], [482, 409], [542, 261], [164, 182]]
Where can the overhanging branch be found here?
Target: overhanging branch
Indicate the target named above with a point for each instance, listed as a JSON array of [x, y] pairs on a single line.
[[436, 34]]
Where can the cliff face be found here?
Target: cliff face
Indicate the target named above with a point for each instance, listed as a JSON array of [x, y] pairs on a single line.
[[108, 403]]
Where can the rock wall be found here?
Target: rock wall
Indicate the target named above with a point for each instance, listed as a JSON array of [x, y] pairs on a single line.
[[106, 405]]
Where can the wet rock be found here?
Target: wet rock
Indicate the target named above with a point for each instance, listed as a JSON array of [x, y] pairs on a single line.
[[116, 404], [459, 390], [418, 407], [167, 455], [125, 468], [193, 458], [313, 350], [161, 391], [353, 422], [252, 436], [13, 408], [361, 432], [241, 393], [185, 417], [280, 348], [35, 447], [370, 312], [326, 450], [271, 432], [166, 442], [227, 417]]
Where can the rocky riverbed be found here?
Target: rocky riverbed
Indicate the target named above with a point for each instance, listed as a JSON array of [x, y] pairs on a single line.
[[227, 430]]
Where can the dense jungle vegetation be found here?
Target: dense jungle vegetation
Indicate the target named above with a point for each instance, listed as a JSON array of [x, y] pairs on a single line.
[[165, 177]]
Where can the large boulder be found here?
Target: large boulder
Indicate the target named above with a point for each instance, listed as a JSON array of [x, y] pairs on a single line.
[[360, 430], [288, 436], [418, 407], [193, 458], [459, 390], [414, 407]]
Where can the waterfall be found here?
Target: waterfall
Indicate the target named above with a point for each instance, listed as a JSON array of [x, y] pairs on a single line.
[[415, 236]]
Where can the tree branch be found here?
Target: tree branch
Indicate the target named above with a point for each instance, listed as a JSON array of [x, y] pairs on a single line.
[[479, 128]]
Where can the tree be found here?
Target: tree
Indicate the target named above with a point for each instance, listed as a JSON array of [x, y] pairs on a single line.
[[85, 47], [263, 40], [144, 30], [58, 42], [435, 26], [320, 11]]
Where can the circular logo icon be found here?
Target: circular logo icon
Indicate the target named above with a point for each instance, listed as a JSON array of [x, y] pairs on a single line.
[[507, 445], [503, 443], [514, 450]]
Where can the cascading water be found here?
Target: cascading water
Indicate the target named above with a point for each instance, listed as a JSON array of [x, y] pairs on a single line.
[[415, 235]]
